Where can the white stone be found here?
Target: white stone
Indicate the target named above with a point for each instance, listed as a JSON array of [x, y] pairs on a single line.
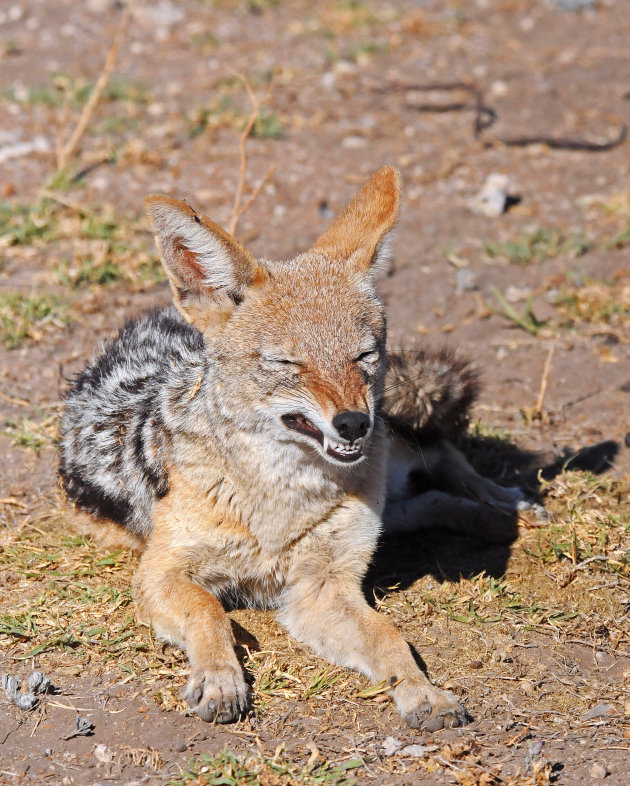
[[598, 771], [15, 13], [492, 200], [161, 15], [38, 144], [354, 142], [499, 88]]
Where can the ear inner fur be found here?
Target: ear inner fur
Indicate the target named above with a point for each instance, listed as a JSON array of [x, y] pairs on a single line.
[[201, 259], [360, 232]]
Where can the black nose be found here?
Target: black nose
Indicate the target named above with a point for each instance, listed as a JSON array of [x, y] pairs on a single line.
[[351, 425]]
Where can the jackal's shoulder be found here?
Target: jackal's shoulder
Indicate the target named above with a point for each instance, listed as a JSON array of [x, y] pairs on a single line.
[[119, 417]]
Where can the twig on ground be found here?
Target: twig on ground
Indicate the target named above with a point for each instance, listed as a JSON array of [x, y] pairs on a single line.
[[566, 143], [544, 379], [65, 150], [64, 201], [12, 501], [239, 208], [20, 402], [485, 116]]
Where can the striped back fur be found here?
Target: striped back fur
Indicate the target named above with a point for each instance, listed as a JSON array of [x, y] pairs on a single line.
[[119, 416]]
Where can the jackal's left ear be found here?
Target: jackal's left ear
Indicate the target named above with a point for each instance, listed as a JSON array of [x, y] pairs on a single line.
[[204, 263], [360, 232]]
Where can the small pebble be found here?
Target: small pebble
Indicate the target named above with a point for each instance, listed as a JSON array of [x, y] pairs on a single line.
[[103, 753], [465, 281], [574, 5], [598, 771], [15, 13], [515, 294], [324, 210], [601, 710], [353, 142], [493, 199], [391, 745], [180, 747], [415, 751]]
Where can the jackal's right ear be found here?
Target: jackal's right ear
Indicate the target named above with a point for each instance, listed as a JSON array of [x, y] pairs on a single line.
[[204, 263], [360, 233]]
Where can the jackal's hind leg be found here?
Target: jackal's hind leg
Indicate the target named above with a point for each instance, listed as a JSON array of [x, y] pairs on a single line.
[[435, 486], [438, 509]]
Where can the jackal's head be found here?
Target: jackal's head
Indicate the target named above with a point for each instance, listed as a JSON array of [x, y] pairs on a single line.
[[298, 346]]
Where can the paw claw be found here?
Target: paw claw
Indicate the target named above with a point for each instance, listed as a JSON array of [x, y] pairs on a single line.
[[218, 696], [440, 711]]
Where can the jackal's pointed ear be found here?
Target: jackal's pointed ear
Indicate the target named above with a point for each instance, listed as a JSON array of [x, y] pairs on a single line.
[[360, 232], [203, 262]]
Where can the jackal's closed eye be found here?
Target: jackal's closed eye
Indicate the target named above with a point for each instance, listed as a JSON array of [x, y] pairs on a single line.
[[280, 361], [369, 356]]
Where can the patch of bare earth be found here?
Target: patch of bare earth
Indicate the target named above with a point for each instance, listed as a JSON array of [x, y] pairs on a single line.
[[534, 637]]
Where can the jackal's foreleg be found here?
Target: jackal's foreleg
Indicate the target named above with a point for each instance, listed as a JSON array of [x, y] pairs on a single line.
[[324, 607], [185, 613]]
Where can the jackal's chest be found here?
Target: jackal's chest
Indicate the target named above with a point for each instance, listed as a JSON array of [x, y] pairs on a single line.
[[275, 504], [240, 541], [241, 527], [242, 574]]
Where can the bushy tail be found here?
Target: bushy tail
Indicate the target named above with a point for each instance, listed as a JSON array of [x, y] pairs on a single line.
[[429, 391]]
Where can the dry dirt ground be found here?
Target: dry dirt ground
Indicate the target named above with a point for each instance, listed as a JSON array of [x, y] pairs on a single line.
[[534, 637]]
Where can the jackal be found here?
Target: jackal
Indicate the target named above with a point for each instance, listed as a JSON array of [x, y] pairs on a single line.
[[243, 438]]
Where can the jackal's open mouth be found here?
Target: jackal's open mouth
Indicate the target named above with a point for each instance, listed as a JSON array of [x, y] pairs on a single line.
[[346, 453]]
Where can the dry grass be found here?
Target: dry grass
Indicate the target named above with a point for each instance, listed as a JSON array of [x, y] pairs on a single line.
[[29, 316], [68, 609], [597, 302], [70, 248]]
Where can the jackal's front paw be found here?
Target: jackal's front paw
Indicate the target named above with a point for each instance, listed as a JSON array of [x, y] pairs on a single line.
[[219, 695], [429, 708]]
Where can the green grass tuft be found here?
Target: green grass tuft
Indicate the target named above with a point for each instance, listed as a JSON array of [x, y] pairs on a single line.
[[538, 245], [21, 316]]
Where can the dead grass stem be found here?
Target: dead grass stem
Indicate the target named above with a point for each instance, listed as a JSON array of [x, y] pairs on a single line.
[[239, 207], [66, 149]]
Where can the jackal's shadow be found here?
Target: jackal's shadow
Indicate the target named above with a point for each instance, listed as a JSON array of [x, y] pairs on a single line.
[[403, 558]]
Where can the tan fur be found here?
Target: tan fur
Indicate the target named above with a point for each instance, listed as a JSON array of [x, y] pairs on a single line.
[[105, 533], [361, 227], [269, 518]]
